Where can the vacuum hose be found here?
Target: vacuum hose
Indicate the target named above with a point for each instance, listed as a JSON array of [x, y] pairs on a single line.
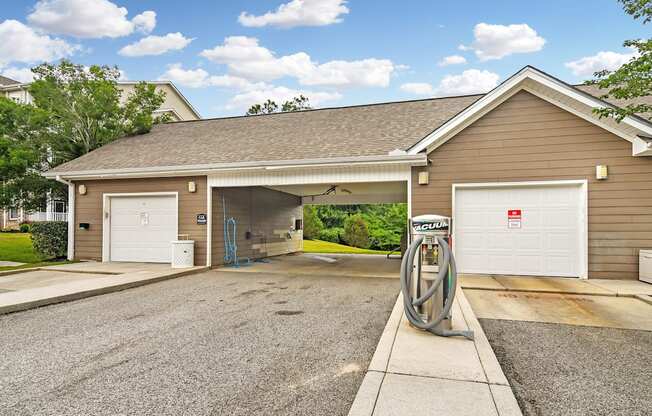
[[410, 304]]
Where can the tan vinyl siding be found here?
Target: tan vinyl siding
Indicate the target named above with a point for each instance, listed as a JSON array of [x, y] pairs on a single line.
[[88, 208], [529, 139]]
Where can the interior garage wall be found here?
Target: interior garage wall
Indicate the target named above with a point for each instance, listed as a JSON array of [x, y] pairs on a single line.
[[88, 208], [528, 139], [266, 213]]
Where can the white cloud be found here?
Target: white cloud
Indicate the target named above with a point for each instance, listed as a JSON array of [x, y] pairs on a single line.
[[471, 81], [198, 78], [498, 41], [279, 95], [21, 43], [18, 74], [298, 13], [452, 60], [418, 88], [88, 18], [145, 22], [247, 93], [245, 58], [608, 60], [156, 45]]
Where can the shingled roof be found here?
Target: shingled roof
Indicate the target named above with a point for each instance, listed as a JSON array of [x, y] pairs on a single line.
[[372, 130], [7, 81], [365, 130]]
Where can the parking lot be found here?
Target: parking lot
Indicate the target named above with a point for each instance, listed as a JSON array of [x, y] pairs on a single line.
[[218, 342]]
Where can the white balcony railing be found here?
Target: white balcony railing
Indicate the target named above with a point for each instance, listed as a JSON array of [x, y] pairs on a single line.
[[46, 216]]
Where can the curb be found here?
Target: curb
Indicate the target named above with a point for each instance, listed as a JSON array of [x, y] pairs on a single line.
[[36, 303]]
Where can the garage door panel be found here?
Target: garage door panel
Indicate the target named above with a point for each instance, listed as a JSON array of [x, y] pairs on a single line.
[[547, 243], [142, 227]]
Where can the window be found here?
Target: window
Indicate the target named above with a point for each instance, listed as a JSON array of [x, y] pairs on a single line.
[[14, 214], [60, 206]]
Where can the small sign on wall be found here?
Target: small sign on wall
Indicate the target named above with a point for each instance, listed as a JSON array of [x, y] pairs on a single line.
[[202, 219], [514, 218]]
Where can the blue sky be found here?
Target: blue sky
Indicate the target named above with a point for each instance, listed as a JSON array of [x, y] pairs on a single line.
[[335, 52]]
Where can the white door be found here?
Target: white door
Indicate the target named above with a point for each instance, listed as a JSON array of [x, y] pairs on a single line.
[[142, 228], [547, 240]]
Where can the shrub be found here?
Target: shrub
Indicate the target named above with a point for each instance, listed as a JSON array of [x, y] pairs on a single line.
[[356, 233], [50, 238], [24, 228], [312, 225], [331, 234]]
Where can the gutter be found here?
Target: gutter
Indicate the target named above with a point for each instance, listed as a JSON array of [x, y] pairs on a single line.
[[205, 169], [71, 216]]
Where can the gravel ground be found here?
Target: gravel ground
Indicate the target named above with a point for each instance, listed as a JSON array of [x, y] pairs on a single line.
[[566, 370], [215, 343]]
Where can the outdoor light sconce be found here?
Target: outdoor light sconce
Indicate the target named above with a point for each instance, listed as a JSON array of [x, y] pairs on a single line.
[[82, 189], [601, 172], [84, 226], [192, 187], [424, 177]]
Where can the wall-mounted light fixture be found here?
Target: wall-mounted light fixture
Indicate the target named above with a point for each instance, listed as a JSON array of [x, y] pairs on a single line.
[[601, 172], [192, 187], [424, 177], [82, 189]]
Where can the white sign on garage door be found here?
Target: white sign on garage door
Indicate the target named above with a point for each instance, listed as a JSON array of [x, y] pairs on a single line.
[[142, 227], [550, 237]]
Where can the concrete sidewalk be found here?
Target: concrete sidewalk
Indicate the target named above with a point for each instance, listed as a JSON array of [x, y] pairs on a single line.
[[414, 371], [562, 285], [27, 289]]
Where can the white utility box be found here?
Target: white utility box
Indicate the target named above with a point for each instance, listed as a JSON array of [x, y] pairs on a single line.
[[183, 254], [645, 266]]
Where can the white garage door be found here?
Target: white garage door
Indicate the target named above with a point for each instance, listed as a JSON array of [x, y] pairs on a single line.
[[547, 239], [142, 228]]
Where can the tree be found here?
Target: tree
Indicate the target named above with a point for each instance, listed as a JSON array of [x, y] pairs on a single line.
[[75, 110], [633, 79], [268, 107], [356, 233], [312, 225], [86, 110], [22, 153]]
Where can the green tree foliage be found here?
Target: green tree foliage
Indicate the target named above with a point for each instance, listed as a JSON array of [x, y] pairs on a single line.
[[268, 107], [356, 233], [633, 79], [312, 225], [86, 110], [75, 110], [386, 223], [22, 153]]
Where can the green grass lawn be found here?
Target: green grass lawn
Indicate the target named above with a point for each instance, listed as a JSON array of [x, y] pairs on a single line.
[[318, 246], [17, 247]]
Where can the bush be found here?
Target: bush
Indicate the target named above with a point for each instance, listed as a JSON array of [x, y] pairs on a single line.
[[356, 233], [24, 228], [50, 238], [331, 234], [312, 225]]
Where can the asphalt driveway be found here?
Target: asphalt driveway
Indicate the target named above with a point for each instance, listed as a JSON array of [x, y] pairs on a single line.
[[213, 343]]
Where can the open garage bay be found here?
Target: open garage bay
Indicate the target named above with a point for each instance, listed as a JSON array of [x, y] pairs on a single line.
[[213, 343]]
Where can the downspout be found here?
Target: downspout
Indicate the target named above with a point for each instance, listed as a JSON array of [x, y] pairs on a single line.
[[71, 216]]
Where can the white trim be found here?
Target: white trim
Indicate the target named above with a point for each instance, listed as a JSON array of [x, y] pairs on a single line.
[[409, 207], [203, 169], [106, 216], [584, 211], [209, 224], [169, 110], [509, 88], [18, 214]]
